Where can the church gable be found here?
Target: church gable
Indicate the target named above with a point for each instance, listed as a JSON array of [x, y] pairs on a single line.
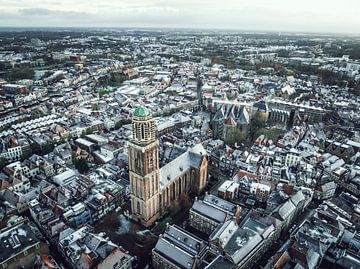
[[204, 162], [243, 117], [193, 158]]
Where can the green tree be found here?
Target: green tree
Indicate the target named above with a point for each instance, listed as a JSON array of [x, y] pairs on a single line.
[[47, 148], [3, 162], [62, 140], [234, 135], [116, 79], [95, 107], [105, 91], [82, 165], [328, 77], [255, 125], [272, 133], [103, 81], [22, 73], [185, 200], [355, 85], [26, 153], [283, 53], [122, 122], [35, 148], [225, 78]]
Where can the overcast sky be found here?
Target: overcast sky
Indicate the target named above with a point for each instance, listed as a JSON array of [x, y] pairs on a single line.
[[273, 15]]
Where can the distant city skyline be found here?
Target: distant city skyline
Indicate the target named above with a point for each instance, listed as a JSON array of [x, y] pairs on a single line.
[[260, 15]]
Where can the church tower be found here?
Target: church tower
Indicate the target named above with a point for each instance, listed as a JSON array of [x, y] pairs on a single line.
[[144, 175]]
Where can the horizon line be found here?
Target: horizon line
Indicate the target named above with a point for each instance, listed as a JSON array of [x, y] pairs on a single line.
[[215, 29]]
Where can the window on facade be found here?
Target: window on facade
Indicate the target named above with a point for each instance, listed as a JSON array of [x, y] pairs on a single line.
[[138, 208], [173, 191], [137, 162], [142, 131], [141, 190], [153, 185]]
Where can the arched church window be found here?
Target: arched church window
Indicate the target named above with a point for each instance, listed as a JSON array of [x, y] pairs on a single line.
[[151, 160], [142, 132], [137, 162], [173, 191], [138, 208]]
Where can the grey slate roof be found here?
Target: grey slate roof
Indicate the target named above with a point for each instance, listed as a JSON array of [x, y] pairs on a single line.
[[178, 166], [220, 262], [242, 242], [285, 210], [214, 208], [209, 211], [184, 240], [243, 116], [240, 114], [174, 254], [179, 246]]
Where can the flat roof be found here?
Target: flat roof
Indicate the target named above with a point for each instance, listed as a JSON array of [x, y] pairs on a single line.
[[15, 240], [84, 142]]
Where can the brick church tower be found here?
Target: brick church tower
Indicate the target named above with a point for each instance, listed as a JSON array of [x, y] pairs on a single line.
[[144, 173]]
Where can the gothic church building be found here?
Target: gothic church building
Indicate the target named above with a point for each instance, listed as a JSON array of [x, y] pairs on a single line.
[[154, 188]]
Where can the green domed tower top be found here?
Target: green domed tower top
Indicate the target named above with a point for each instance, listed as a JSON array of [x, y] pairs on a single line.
[[141, 112], [144, 128]]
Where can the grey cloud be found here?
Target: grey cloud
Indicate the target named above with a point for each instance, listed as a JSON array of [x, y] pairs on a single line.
[[46, 12], [282, 15], [36, 11]]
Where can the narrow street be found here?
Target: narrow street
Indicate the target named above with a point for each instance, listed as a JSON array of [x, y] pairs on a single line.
[[284, 238]]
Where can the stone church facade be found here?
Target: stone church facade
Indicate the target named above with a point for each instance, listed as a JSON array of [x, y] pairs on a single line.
[[154, 188]]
